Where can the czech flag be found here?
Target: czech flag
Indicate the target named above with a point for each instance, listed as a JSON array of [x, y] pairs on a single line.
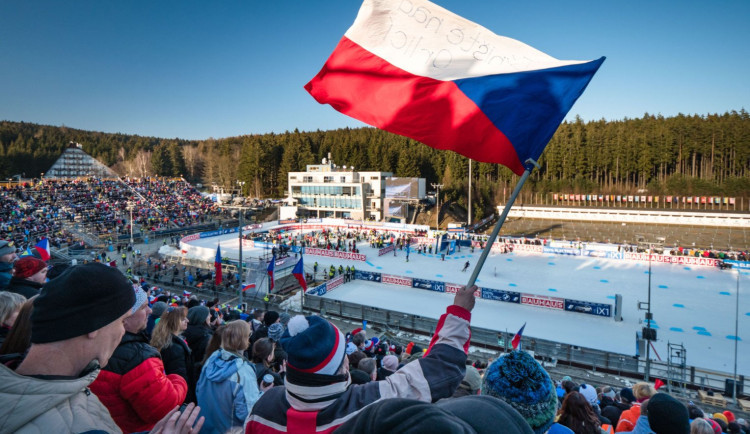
[[43, 248], [217, 265], [517, 338], [421, 71], [248, 286], [186, 293], [270, 273], [299, 273]]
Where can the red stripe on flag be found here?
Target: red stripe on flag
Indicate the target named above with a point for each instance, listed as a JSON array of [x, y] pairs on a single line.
[[362, 85]]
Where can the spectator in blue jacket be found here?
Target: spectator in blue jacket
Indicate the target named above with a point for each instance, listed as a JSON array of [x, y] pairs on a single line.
[[227, 387]]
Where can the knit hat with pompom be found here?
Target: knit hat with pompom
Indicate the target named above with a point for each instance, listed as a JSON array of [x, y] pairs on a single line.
[[519, 380], [313, 345]]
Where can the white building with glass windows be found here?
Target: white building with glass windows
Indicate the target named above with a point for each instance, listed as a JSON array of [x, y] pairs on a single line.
[[326, 190]]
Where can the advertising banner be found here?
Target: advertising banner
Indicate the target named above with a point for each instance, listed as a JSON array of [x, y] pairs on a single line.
[[500, 295], [318, 290], [588, 307], [335, 254], [452, 288], [601, 254], [528, 248], [367, 275], [431, 285], [738, 264], [562, 251], [191, 237], [683, 260], [385, 250], [543, 301], [334, 283], [452, 247], [396, 280], [218, 232]]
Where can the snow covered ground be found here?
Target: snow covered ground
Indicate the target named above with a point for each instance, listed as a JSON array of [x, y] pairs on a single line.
[[692, 305]]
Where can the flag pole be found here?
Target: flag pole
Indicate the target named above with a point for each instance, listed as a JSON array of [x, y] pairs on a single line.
[[530, 164]]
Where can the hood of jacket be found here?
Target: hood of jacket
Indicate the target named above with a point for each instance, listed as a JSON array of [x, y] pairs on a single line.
[[221, 365]]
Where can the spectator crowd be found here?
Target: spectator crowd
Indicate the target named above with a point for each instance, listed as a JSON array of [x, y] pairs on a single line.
[[85, 349]]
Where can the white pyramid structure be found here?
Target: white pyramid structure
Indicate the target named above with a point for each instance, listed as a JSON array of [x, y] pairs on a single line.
[[74, 163]]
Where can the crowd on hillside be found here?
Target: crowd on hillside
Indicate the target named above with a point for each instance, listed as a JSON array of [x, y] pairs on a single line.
[[32, 211], [119, 355]]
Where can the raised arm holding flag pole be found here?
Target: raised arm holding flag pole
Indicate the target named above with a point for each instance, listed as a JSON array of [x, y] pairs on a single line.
[[418, 70]]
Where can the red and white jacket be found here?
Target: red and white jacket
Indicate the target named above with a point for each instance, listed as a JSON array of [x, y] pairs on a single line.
[[322, 409]]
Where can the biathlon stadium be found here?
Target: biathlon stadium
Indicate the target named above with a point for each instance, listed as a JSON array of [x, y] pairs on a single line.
[[581, 301]]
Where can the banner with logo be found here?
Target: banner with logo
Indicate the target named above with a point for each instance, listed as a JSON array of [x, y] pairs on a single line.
[[396, 280], [367, 275], [501, 295], [335, 254], [588, 307], [543, 301], [431, 285]]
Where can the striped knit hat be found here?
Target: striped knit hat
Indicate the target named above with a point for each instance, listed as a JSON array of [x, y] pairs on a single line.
[[313, 345], [519, 380]]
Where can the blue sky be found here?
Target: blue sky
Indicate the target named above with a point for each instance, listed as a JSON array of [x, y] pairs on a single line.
[[200, 69]]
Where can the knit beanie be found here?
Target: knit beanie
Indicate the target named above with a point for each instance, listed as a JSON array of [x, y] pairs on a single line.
[[27, 267], [313, 345], [519, 380], [158, 309], [589, 393], [83, 299], [351, 348], [627, 393], [729, 415], [140, 298], [270, 318], [720, 416], [714, 426], [284, 318], [275, 331], [197, 315], [390, 362], [667, 415]]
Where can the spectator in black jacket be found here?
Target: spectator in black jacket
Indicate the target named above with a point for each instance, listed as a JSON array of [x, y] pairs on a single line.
[[199, 331], [29, 275], [133, 385], [611, 407], [174, 350]]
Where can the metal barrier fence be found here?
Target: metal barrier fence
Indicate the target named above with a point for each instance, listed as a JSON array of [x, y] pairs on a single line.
[[548, 351]]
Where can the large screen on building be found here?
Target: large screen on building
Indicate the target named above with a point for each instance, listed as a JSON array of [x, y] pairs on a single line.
[[402, 188], [394, 208]]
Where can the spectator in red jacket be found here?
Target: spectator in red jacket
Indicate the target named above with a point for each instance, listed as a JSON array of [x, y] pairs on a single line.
[[133, 385]]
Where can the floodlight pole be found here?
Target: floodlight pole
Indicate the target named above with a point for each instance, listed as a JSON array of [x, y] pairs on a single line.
[[437, 204], [736, 336], [239, 266], [529, 164], [648, 321]]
